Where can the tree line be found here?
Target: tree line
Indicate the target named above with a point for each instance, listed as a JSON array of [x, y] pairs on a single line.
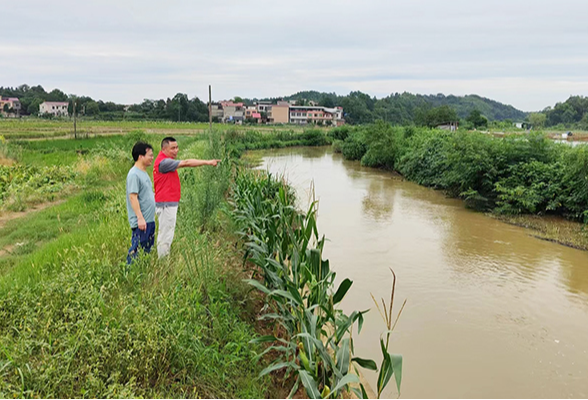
[[471, 111], [572, 113], [177, 108]]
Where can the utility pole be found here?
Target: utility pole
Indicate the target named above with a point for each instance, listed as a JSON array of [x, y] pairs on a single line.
[[210, 108], [74, 115]]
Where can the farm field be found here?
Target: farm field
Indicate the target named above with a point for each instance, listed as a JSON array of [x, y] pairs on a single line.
[[36, 128]]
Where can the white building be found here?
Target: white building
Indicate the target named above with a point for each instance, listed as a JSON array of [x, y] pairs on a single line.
[[57, 108], [316, 114]]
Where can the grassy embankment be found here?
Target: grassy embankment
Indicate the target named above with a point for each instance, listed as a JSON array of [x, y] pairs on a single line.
[[76, 322]]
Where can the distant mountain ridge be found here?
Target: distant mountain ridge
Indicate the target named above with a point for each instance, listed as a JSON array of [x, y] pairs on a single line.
[[402, 106]]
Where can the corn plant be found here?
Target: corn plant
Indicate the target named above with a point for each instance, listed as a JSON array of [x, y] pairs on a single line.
[[285, 246], [391, 363]]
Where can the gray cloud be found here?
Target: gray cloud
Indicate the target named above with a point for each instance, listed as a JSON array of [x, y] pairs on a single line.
[[530, 54]]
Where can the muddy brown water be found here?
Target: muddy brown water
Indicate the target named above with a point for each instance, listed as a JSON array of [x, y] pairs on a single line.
[[491, 311]]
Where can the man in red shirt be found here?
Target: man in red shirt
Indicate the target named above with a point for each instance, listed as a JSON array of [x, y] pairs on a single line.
[[168, 190]]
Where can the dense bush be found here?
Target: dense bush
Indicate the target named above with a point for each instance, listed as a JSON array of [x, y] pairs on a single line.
[[354, 147], [239, 141], [516, 174], [339, 133]]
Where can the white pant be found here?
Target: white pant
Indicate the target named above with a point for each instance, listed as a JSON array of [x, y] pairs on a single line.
[[167, 226]]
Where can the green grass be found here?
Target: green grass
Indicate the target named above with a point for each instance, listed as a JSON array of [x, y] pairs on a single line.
[[75, 321], [32, 128], [67, 152], [24, 235], [27, 128]]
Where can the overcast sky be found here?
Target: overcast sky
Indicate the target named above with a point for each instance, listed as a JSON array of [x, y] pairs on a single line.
[[530, 54]]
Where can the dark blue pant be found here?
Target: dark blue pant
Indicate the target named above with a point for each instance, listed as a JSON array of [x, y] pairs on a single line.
[[141, 239]]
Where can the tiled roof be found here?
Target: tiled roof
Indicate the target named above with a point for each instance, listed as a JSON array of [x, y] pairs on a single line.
[[56, 103]]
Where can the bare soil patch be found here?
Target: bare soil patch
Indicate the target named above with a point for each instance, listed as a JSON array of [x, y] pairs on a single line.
[[9, 216]]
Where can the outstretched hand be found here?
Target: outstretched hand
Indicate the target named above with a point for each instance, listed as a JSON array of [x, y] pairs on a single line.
[[214, 162]]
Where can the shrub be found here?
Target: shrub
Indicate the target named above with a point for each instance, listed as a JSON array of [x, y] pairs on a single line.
[[516, 174], [340, 133], [354, 147]]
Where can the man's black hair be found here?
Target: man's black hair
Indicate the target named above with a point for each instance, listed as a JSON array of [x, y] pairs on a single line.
[[166, 141], [140, 149]]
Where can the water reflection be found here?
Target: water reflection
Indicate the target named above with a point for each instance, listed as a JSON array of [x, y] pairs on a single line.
[[377, 203]]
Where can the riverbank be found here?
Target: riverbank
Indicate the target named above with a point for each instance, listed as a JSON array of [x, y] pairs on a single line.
[[553, 229]]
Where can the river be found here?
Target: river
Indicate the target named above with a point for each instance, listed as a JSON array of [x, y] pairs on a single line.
[[491, 311]]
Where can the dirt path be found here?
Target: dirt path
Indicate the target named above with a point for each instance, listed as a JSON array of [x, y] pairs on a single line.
[[9, 216], [6, 250]]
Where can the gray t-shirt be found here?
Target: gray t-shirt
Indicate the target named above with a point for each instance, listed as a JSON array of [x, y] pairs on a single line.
[[139, 182]]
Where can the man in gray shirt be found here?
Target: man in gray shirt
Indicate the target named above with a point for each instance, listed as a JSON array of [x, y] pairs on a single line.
[[140, 201]]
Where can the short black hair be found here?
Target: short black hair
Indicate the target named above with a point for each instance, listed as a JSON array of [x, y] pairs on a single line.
[[167, 140], [140, 149]]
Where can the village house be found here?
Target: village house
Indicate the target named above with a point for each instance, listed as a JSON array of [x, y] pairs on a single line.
[[316, 115], [217, 112], [283, 112], [232, 112], [279, 113], [249, 111], [9, 106], [56, 108], [263, 106], [449, 126]]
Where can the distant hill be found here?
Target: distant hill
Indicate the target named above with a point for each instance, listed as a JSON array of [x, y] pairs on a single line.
[[401, 107], [463, 105], [359, 108]]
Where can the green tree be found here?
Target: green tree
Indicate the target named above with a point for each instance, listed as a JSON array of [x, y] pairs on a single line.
[[33, 106], [327, 101], [358, 108], [584, 122], [197, 110], [537, 120], [435, 116], [177, 108], [56, 95], [91, 108], [477, 119], [569, 115]]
